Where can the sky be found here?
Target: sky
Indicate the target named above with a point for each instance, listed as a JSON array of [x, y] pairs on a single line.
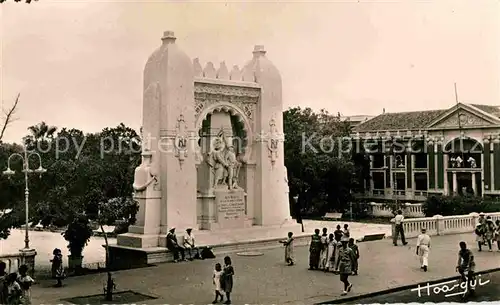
[[79, 64]]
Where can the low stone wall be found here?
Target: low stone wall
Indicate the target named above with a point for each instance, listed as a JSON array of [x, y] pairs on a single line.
[[411, 210], [23, 257], [441, 225]]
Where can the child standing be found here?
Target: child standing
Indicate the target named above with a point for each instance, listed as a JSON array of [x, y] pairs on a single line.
[[288, 243], [479, 235], [217, 283], [14, 291], [57, 267], [3, 285], [355, 249], [227, 279], [25, 281]]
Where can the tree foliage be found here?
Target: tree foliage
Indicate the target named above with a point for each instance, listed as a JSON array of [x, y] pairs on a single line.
[[26, 1], [458, 205], [84, 173], [319, 160]]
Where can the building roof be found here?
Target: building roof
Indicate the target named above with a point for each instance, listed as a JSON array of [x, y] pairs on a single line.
[[494, 110], [415, 120]]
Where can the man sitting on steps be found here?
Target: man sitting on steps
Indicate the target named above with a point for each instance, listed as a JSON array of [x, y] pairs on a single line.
[[188, 243], [173, 245]]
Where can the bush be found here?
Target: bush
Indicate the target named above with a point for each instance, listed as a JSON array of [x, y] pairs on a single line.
[[78, 235], [458, 205]]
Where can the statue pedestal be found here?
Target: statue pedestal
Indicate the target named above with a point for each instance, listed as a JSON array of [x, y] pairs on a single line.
[[225, 209]]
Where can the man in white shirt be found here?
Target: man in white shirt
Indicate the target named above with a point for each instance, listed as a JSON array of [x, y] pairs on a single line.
[[423, 246], [188, 243], [398, 221]]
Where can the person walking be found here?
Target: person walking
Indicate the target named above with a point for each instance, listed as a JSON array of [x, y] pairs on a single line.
[[355, 249], [346, 258], [338, 233], [423, 248], [489, 231], [314, 250], [497, 233], [466, 266], [398, 222]]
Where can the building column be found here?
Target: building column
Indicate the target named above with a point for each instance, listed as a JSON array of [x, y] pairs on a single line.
[[455, 184], [492, 165], [391, 175], [371, 175], [446, 182], [474, 184], [436, 167]]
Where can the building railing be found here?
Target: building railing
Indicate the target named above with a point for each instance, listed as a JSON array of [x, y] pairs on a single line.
[[421, 193], [410, 210], [441, 225]]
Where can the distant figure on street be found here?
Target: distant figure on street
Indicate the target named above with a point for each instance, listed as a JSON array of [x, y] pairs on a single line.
[[330, 257], [57, 267], [217, 283], [189, 246], [497, 233], [288, 243], [314, 250], [346, 258], [173, 245], [466, 265], [423, 248], [482, 222], [489, 232], [346, 232], [398, 221], [479, 232], [227, 279], [354, 249], [324, 250]]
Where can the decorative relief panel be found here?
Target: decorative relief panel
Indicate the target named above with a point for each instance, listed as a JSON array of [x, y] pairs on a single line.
[[181, 139], [244, 98], [466, 119]]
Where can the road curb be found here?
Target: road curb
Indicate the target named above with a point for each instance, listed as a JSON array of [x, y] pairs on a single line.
[[400, 288]]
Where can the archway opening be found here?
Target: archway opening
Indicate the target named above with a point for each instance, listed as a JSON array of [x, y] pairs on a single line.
[[464, 153]]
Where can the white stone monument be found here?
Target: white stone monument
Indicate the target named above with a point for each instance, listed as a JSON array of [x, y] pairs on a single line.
[[213, 151]]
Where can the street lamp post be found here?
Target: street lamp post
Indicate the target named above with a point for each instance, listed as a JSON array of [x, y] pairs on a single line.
[[26, 169], [297, 208]]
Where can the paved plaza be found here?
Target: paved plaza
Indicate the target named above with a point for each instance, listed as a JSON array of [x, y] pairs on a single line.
[[265, 279], [45, 242]]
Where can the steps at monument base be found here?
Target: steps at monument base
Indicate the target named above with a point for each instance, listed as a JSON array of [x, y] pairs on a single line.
[[122, 257]]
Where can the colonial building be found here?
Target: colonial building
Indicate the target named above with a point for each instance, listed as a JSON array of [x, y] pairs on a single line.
[[448, 151], [355, 120]]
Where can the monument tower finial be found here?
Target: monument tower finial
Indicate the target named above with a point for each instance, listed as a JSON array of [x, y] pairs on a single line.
[[168, 37]]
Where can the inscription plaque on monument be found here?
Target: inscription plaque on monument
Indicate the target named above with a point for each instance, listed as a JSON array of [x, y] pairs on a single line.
[[230, 208]]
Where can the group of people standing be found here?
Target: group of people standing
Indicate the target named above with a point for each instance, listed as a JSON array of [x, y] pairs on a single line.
[[335, 252], [15, 287], [487, 232]]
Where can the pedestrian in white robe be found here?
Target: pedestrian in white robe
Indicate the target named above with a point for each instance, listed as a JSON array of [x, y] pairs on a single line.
[[324, 250], [423, 247], [330, 256]]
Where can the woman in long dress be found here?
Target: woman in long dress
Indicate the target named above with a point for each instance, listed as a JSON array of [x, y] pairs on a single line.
[[288, 243], [330, 257], [227, 279], [324, 250]]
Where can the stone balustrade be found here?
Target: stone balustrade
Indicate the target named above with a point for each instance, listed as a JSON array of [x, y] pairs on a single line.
[[410, 210], [23, 257], [441, 225]]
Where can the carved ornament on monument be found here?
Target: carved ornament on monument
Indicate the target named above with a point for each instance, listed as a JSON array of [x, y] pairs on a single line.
[[181, 139], [273, 140], [224, 164], [143, 176]]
